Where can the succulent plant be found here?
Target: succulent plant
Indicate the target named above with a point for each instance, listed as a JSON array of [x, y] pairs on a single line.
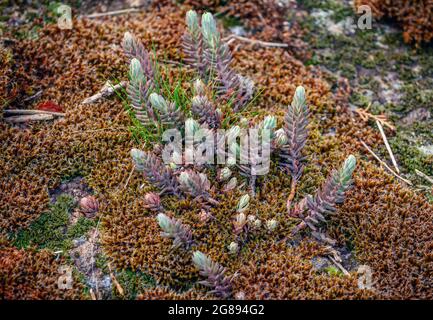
[[152, 201], [174, 229], [192, 43], [280, 138], [224, 174], [89, 206], [233, 248], [210, 56], [138, 90], [215, 275], [155, 172], [331, 193], [272, 224], [206, 52], [133, 48], [194, 184], [240, 223], [295, 128], [168, 112], [255, 151], [243, 203], [203, 109], [231, 184]]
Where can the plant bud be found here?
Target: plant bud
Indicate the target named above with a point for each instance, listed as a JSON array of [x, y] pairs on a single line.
[[269, 123], [152, 201], [158, 102], [271, 224], [89, 206], [244, 202], [251, 218], [139, 158], [224, 174], [281, 138], [192, 21], [209, 30], [233, 248], [257, 223]]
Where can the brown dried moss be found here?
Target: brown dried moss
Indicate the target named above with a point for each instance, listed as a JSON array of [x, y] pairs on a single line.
[[390, 229], [280, 272], [27, 274], [164, 293], [415, 16]]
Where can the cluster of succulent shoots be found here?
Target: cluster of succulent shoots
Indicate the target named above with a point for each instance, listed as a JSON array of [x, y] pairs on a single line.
[[217, 88]]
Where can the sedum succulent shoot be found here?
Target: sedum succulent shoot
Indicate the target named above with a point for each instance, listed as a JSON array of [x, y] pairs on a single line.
[[135, 49], [155, 172], [211, 57], [168, 113], [240, 223], [331, 193], [243, 203], [295, 128], [271, 225], [233, 248], [214, 274], [174, 229], [231, 184], [195, 184], [89, 206], [192, 43], [138, 90], [224, 174], [203, 109]]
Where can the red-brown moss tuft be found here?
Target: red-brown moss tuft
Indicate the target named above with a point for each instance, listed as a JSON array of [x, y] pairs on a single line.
[[390, 230], [27, 274], [415, 16], [277, 272]]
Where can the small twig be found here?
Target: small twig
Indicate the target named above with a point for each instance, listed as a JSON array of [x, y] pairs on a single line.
[[92, 294], [107, 90], [129, 177], [27, 118], [20, 112], [365, 115], [98, 130], [339, 266], [384, 164], [32, 97], [385, 140], [112, 13], [233, 37], [423, 175], [116, 283]]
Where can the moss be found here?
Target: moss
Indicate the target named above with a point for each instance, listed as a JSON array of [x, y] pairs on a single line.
[[33, 275], [333, 271], [48, 231], [230, 22], [80, 228], [52, 230], [133, 283], [411, 157]]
